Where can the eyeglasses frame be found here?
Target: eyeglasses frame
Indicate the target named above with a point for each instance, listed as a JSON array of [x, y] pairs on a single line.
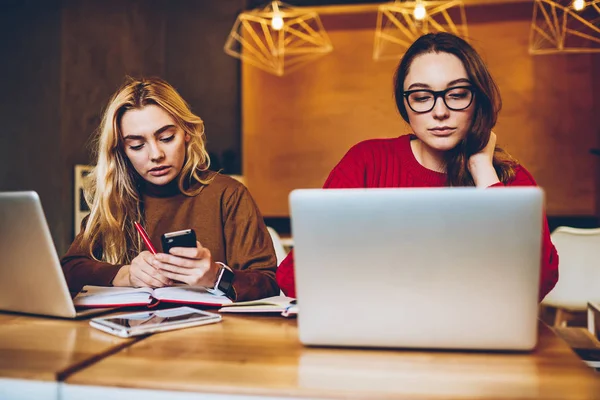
[[439, 93]]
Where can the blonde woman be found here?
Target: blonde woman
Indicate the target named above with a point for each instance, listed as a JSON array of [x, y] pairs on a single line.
[[152, 168]]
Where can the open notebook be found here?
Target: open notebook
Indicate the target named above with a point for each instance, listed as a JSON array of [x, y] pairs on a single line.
[[101, 296], [278, 304]]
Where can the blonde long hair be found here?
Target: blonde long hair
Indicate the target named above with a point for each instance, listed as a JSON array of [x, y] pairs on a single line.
[[112, 187]]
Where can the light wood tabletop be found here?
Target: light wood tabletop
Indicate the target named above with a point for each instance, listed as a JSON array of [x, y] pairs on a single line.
[[258, 355], [48, 349]]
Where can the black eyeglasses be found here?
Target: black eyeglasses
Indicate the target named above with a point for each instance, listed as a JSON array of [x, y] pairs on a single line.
[[455, 98]]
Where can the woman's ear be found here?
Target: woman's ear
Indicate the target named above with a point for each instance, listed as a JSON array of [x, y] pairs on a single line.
[[187, 137]]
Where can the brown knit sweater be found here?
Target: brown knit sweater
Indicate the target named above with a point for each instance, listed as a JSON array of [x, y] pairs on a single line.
[[226, 221]]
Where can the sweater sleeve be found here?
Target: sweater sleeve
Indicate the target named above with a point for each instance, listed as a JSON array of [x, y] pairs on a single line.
[[249, 249], [549, 262], [285, 275], [81, 269], [348, 173]]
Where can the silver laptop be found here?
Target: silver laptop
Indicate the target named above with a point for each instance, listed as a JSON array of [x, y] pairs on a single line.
[[447, 268], [31, 278]]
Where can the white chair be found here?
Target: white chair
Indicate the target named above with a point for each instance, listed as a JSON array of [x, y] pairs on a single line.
[[579, 271], [280, 252]]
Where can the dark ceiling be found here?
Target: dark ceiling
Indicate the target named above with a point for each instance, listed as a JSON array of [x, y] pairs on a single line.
[[257, 3]]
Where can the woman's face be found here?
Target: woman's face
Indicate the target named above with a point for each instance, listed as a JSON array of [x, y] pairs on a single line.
[[154, 143], [440, 129]]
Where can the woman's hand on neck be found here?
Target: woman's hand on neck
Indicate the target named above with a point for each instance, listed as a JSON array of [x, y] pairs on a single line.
[[481, 165]]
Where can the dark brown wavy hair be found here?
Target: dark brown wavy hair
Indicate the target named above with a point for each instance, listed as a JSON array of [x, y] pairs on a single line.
[[487, 105]]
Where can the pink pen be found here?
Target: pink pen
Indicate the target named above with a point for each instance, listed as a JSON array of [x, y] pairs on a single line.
[[145, 237]]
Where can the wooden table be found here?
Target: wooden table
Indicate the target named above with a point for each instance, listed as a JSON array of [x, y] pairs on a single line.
[[37, 352], [261, 356]]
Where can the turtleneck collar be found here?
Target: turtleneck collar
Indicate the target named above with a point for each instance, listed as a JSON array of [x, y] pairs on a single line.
[[169, 190]]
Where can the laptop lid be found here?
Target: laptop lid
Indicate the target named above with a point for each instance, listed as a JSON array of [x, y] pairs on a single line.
[[454, 268], [31, 278]]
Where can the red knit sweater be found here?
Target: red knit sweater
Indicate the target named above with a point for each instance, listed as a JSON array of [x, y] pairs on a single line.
[[381, 163]]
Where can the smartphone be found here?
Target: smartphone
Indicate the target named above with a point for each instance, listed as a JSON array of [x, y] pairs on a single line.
[[184, 238], [146, 322]]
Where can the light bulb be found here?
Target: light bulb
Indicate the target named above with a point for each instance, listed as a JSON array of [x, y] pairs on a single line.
[[578, 5], [419, 12], [277, 22]]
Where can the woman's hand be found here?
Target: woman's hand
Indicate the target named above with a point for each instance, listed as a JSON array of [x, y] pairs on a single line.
[[191, 265], [141, 273], [481, 165]]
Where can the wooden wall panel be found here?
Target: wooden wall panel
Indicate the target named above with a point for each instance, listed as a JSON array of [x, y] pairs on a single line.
[[297, 127], [29, 109], [547, 120], [206, 77], [102, 42]]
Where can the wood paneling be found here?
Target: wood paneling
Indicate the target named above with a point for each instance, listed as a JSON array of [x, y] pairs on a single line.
[[102, 42], [547, 120], [206, 77], [296, 128], [30, 157]]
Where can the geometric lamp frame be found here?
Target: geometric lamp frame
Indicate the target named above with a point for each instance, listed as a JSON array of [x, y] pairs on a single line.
[[278, 38], [397, 27], [557, 27]]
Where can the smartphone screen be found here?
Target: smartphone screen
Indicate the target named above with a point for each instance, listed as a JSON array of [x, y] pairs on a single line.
[[153, 321], [153, 318]]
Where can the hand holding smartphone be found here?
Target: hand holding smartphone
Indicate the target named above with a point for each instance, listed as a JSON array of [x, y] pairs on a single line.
[[183, 238], [193, 266]]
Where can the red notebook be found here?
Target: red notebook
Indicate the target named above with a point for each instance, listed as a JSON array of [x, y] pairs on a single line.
[[102, 296]]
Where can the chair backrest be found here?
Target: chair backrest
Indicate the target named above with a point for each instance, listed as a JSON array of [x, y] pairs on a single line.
[[277, 244], [579, 268]]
